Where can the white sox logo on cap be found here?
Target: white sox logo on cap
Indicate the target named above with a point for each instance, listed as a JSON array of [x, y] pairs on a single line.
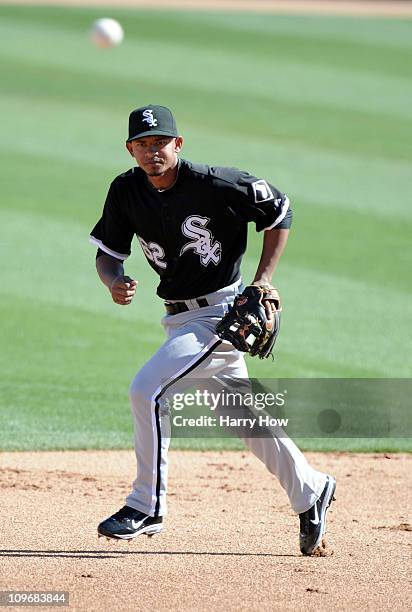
[[148, 117]]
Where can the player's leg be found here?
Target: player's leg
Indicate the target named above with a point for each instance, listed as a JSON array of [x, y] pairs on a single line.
[[186, 353], [301, 482], [191, 350], [310, 491]]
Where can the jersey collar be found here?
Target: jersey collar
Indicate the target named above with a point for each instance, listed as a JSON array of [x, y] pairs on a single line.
[[178, 177]]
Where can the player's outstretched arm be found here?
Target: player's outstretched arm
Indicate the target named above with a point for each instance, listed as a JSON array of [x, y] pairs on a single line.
[[111, 272], [274, 243]]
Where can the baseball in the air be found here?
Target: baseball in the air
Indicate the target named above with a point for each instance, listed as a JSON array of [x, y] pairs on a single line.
[[106, 33]]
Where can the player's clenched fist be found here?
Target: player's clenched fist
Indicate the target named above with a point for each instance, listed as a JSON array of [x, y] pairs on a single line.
[[123, 289]]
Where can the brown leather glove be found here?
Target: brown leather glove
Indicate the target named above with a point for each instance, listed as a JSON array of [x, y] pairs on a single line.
[[252, 324]]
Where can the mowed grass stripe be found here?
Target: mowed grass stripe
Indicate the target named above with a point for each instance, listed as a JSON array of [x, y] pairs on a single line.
[[66, 132], [54, 186], [322, 126], [366, 249], [392, 32], [209, 68], [235, 34], [56, 261], [373, 31], [333, 326]]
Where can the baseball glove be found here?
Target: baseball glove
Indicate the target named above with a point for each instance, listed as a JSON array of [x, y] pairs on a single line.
[[252, 323]]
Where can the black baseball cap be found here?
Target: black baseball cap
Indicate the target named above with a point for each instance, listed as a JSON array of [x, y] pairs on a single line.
[[151, 120]]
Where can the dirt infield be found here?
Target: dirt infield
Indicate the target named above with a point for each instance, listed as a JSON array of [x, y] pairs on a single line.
[[383, 8], [230, 541]]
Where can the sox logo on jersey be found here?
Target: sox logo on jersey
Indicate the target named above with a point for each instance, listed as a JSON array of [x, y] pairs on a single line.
[[202, 242]]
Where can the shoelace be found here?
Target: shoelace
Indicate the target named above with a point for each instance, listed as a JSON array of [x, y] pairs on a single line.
[[124, 512]]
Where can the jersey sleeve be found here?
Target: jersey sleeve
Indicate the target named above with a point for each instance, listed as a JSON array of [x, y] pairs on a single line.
[[256, 200], [113, 234]]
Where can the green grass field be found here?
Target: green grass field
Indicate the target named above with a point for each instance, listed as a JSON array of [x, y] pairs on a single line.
[[319, 106]]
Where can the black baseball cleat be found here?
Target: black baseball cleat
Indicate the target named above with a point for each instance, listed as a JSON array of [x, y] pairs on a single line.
[[313, 521], [129, 523]]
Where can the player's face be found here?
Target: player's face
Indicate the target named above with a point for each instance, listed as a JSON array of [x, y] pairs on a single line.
[[156, 155]]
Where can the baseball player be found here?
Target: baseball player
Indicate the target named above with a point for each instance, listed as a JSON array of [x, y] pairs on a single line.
[[191, 221]]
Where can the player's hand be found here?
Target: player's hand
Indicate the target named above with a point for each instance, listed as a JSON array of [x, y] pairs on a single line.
[[123, 290]]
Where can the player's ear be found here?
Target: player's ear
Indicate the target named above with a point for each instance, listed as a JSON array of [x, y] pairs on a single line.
[[129, 148], [178, 143]]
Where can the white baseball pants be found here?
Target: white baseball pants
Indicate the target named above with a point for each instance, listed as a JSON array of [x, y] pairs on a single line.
[[193, 350]]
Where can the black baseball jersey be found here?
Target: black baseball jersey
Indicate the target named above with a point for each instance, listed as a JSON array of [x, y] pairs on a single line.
[[193, 234]]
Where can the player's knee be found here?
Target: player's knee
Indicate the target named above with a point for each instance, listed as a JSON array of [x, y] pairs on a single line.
[[141, 390]]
